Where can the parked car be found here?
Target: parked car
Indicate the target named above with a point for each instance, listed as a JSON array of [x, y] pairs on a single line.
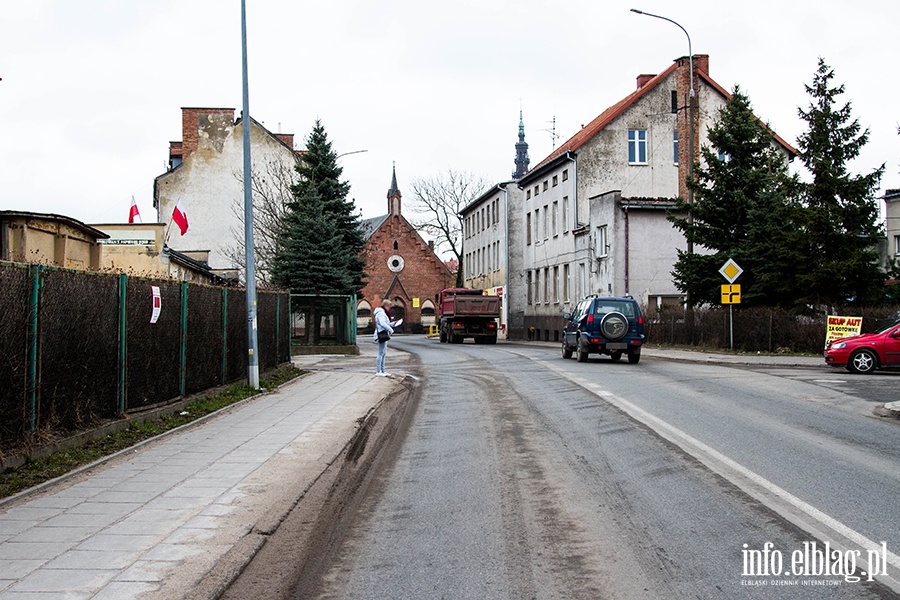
[[612, 326], [867, 352]]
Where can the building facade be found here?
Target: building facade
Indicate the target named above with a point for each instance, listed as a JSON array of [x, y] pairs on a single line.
[[49, 239], [485, 247], [402, 267], [892, 224], [206, 174], [590, 218]]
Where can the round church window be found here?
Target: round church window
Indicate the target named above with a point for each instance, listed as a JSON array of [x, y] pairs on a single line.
[[395, 263]]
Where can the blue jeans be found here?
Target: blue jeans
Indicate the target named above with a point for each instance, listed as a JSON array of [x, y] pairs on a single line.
[[382, 350]]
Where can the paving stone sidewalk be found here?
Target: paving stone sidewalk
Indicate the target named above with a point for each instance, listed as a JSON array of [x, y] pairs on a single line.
[[151, 523]]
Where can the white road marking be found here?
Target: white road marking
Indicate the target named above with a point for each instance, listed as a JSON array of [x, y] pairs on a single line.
[[778, 499]]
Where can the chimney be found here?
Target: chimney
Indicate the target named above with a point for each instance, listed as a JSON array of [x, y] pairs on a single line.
[[643, 79], [701, 62], [431, 245], [287, 138], [190, 126]]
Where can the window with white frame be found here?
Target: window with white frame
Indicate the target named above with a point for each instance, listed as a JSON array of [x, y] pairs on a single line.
[[546, 222], [556, 285], [582, 280], [637, 146], [565, 214], [897, 245], [675, 146], [546, 285], [528, 229], [602, 242], [537, 225], [555, 218], [566, 282]]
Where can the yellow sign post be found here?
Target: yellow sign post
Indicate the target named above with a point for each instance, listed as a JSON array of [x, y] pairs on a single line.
[[731, 294]]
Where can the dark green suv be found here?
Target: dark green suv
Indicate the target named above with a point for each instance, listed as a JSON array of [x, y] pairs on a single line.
[[612, 326]]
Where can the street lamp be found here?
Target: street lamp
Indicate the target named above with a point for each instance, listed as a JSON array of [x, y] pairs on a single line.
[[349, 153], [249, 253], [690, 235]]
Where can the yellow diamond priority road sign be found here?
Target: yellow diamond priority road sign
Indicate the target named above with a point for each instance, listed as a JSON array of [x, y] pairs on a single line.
[[730, 271], [731, 294]]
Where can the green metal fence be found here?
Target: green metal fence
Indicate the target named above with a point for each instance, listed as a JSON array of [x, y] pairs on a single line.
[[77, 347], [323, 319]]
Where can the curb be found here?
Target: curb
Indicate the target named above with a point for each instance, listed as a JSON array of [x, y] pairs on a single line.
[[41, 487]]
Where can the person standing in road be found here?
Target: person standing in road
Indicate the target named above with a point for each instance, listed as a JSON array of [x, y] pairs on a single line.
[[383, 332]]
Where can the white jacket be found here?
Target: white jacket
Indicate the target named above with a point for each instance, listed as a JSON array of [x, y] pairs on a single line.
[[382, 322]]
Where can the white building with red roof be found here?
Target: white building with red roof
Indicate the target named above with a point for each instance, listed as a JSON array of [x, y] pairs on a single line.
[[590, 218]]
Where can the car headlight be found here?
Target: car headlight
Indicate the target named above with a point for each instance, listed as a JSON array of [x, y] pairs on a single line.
[[840, 346]]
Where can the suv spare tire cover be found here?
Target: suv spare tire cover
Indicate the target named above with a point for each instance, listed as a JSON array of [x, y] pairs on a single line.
[[614, 326]]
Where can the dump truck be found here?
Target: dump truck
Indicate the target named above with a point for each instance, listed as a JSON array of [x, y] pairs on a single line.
[[468, 313]]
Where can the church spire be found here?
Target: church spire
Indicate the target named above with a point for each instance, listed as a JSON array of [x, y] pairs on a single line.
[[393, 194], [521, 151]]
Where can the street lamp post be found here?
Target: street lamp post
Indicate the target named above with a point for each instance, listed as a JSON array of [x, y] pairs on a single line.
[[249, 250], [690, 232]]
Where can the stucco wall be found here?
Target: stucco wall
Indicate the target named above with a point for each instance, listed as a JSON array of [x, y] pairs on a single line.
[[209, 185]]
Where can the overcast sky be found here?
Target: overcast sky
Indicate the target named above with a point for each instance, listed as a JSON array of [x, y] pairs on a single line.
[[91, 90]]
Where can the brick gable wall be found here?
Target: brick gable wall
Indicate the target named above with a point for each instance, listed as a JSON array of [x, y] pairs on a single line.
[[423, 274]]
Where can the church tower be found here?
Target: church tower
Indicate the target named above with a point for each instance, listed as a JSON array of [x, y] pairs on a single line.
[[393, 195], [521, 151]]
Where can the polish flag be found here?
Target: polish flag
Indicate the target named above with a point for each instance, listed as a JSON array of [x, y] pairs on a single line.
[[180, 218], [134, 213]]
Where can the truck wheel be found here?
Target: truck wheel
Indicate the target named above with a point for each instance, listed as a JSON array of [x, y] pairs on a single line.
[[566, 351], [443, 335], [634, 358], [615, 356], [581, 354], [862, 361]]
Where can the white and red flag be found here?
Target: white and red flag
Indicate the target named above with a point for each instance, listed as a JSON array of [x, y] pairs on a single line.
[[134, 215], [180, 218]]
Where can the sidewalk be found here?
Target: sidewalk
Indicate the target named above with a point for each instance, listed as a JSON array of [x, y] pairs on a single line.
[[164, 519]]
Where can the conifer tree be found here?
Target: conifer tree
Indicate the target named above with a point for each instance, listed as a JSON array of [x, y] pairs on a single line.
[[740, 211], [319, 248], [839, 220]]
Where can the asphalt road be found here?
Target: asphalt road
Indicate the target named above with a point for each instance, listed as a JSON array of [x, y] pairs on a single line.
[[527, 476]]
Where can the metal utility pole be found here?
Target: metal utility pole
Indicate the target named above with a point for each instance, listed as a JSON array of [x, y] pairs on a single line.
[[690, 232], [249, 250]]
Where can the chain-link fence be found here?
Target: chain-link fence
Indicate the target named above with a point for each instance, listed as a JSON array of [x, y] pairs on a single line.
[[77, 347], [755, 329]]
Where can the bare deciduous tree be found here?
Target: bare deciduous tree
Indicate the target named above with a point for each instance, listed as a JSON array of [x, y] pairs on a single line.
[[436, 203], [271, 196]]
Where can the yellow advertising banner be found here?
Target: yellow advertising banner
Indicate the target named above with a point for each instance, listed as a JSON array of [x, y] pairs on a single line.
[[415, 303], [841, 327]]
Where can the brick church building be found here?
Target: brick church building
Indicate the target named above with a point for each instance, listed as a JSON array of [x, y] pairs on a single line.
[[400, 266]]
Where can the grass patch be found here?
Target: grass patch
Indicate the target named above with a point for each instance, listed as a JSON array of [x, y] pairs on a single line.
[[39, 470]]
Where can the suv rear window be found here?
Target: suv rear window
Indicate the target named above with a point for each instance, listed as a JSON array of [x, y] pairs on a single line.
[[601, 307]]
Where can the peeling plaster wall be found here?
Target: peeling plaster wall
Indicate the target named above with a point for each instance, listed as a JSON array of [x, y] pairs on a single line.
[[209, 185]]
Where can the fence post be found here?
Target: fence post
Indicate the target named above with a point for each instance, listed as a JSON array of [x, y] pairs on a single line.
[[184, 309], [123, 338], [277, 328], [32, 372], [224, 335]]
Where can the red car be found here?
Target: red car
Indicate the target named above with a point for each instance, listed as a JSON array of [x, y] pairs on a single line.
[[867, 352]]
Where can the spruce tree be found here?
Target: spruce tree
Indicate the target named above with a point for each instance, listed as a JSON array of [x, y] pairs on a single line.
[[320, 179], [839, 220], [320, 245], [740, 211]]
